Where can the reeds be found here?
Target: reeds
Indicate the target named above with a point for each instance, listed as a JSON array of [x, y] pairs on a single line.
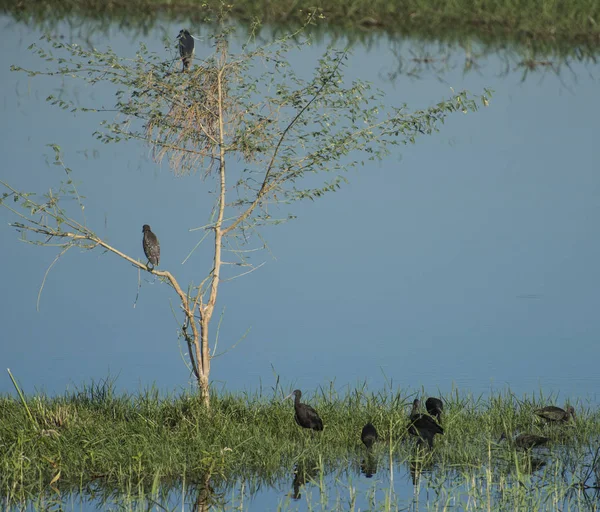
[[147, 442]]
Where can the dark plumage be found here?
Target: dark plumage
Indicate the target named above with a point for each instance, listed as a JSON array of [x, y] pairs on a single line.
[[527, 441], [305, 415], [151, 246], [423, 425], [369, 435], [186, 48], [434, 407], [553, 413]]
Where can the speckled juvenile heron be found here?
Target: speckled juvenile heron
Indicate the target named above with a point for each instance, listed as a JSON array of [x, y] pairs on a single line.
[[305, 416], [186, 48], [151, 246]]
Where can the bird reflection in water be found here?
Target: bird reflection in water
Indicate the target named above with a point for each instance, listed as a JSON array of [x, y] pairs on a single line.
[[303, 471], [368, 466]]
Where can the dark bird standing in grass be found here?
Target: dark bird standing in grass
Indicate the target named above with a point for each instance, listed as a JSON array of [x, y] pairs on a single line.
[[305, 415], [553, 413], [369, 435], [151, 246], [527, 441], [434, 407], [186, 48], [423, 426]]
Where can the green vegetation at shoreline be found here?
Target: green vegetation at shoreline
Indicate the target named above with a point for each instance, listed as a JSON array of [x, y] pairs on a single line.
[[574, 22], [95, 437]]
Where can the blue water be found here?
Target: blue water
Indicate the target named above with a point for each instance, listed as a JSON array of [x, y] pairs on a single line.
[[467, 261]]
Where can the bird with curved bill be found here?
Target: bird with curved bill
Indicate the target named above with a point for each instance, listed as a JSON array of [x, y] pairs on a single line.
[[551, 413], [526, 441], [305, 415], [434, 407], [185, 43], [423, 426]]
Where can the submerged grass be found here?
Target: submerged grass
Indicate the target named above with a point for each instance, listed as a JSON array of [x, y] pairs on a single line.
[[95, 438]]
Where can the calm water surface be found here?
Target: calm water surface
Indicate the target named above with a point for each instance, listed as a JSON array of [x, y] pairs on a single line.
[[468, 261]]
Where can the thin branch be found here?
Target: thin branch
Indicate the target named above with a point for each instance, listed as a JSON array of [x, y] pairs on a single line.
[[264, 187], [58, 256], [244, 273]]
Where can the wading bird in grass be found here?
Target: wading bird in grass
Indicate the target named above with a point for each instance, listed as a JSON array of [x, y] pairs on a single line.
[[555, 414], [423, 426], [527, 441], [151, 246], [186, 48], [305, 415], [434, 407], [369, 435]]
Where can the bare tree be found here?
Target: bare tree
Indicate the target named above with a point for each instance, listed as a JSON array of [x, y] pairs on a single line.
[[259, 132]]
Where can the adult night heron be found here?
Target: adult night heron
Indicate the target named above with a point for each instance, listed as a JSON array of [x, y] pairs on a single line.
[[186, 48], [151, 246]]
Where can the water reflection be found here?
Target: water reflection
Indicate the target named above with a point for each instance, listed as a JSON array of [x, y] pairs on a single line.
[[304, 470], [368, 465], [531, 480]]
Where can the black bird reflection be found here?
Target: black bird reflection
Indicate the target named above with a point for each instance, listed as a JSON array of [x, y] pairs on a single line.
[[303, 471], [368, 466]]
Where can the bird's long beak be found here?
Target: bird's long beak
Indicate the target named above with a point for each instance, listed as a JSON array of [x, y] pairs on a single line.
[[289, 396]]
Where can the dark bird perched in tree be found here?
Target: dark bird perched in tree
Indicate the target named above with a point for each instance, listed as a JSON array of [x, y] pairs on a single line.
[[422, 425], [553, 413], [151, 246], [186, 48], [305, 415], [369, 435], [527, 441], [434, 407]]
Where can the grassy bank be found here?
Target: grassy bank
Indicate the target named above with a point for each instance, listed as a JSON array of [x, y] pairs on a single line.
[[97, 439], [573, 22]]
